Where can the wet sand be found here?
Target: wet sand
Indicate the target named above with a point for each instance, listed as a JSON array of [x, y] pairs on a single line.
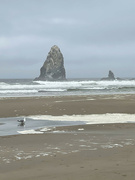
[[82, 152], [88, 152], [67, 105]]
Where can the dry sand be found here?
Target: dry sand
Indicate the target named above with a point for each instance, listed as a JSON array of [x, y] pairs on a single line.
[[88, 152]]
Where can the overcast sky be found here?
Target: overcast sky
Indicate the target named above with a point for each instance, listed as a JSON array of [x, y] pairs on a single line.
[[94, 36]]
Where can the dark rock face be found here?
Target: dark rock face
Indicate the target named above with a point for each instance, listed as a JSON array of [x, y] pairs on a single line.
[[110, 76], [53, 68]]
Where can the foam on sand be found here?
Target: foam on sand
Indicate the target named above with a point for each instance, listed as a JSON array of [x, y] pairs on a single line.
[[90, 119], [87, 119], [30, 132]]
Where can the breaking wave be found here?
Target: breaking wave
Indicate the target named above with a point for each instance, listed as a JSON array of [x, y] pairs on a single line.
[[76, 87]]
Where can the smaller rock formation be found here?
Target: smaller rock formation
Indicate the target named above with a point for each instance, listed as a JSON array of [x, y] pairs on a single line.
[[53, 68], [110, 76]]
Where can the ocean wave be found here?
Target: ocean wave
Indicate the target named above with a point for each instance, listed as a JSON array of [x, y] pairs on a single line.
[[52, 90], [85, 89], [69, 87], [126, 87], [17, 91], [3, 84], [117, 83]]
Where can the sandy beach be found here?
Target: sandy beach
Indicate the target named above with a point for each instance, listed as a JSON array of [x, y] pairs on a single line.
[[67, 105], [89, 152]]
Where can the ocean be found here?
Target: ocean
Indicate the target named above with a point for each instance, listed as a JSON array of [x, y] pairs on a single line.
[[28, 87]]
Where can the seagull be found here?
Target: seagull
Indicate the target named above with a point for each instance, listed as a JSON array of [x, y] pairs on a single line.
[[22, 121]]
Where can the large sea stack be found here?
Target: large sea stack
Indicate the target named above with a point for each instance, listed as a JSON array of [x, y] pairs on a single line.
[[53, 67], [110, 76]]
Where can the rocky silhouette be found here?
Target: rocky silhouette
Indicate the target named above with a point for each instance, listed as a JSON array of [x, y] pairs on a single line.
[[110, 76], [53, 67]]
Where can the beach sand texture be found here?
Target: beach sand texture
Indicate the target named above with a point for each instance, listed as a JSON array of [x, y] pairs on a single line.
[[67, 105], [89, 152]]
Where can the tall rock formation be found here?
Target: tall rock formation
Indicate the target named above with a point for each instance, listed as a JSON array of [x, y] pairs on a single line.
[[53, 68], [110, 76]]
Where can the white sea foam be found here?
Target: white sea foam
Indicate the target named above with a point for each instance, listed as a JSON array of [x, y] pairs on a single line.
[[108, 146], [90, 119], [45, 129], [30, 132], [81, 129]]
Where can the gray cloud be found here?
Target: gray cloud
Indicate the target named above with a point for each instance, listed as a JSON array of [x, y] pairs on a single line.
[[94, 36]]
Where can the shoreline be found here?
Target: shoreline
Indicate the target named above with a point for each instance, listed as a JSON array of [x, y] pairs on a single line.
[[67, 105]]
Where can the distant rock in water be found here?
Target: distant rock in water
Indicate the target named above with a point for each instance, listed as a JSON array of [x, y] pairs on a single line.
[[53, 68], [110, 76]]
